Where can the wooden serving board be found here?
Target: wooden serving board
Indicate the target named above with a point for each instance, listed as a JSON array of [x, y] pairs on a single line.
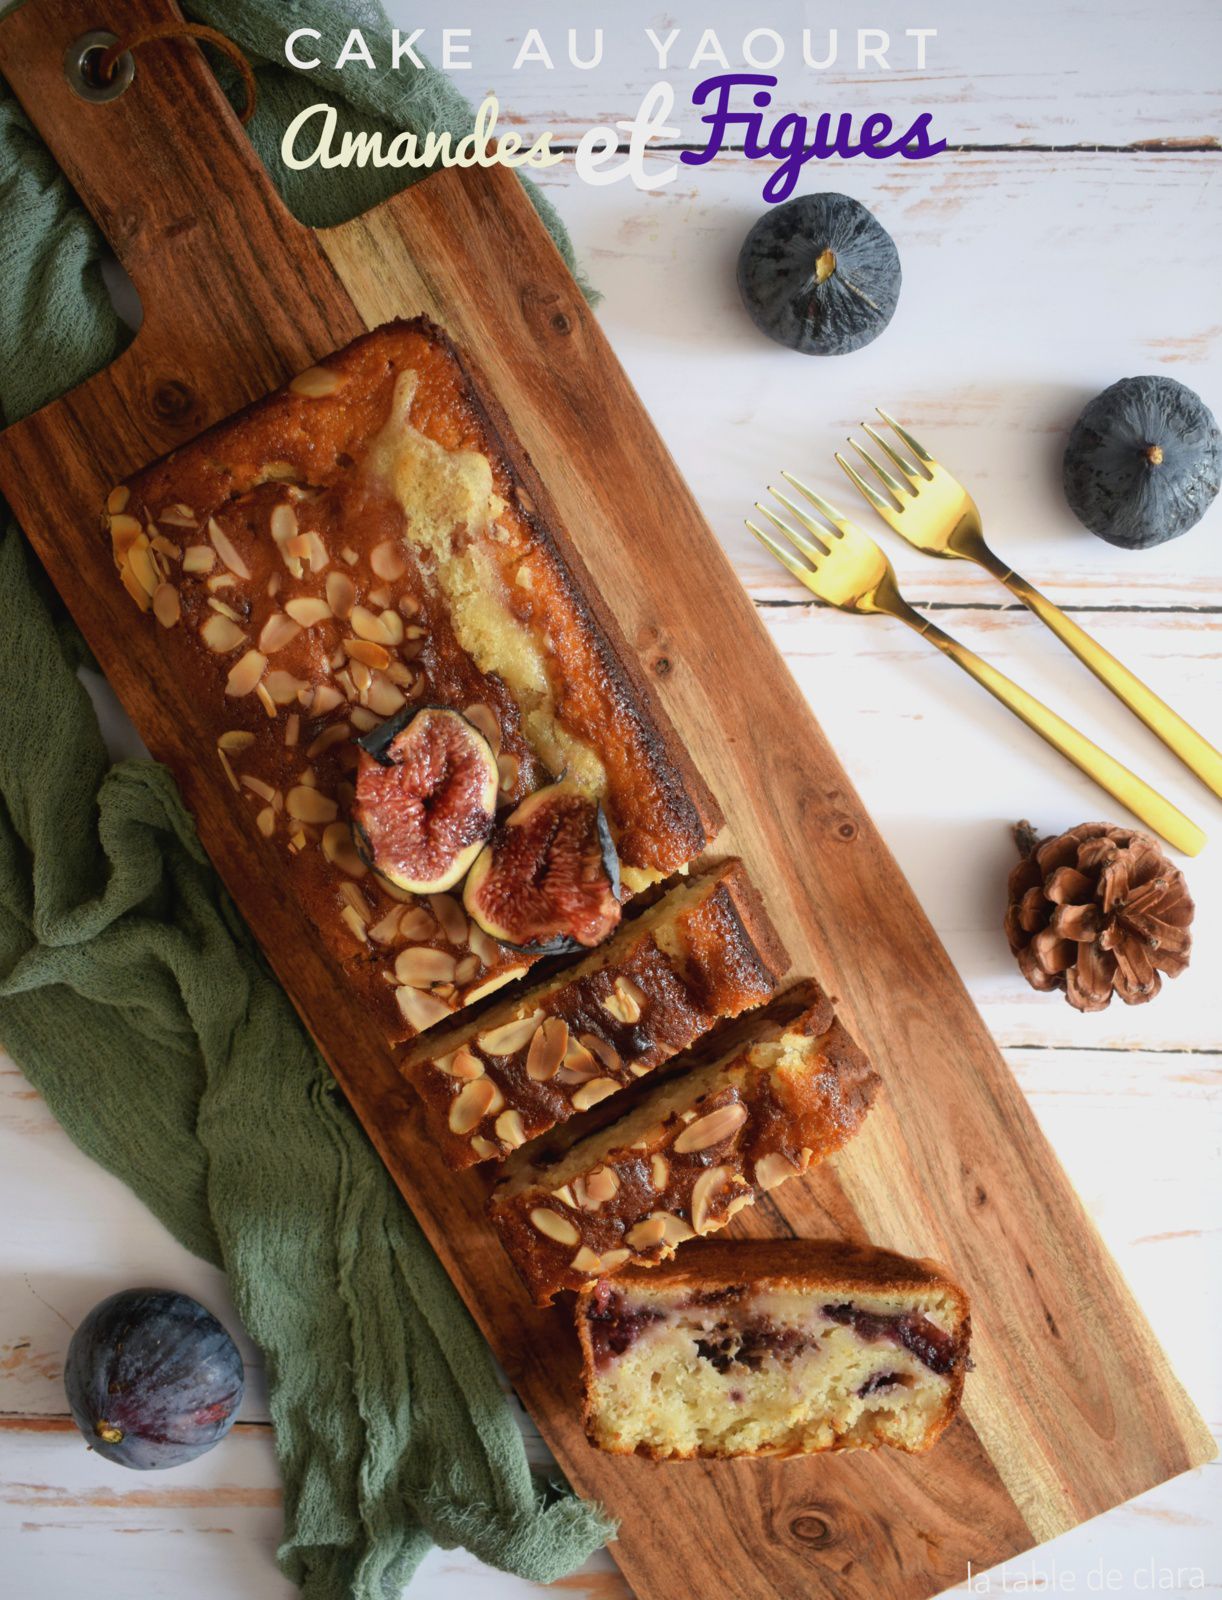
[[1072, 1407]]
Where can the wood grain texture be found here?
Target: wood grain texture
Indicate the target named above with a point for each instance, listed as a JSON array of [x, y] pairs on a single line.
[[1072, 1408]]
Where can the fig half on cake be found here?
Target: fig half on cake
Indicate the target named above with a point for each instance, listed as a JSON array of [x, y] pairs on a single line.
[[548, 880], [426, 790]]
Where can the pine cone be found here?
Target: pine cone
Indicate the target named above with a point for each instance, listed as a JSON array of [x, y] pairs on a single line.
[[1097, 909]]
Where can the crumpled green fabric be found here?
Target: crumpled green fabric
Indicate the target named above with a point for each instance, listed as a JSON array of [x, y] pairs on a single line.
[[136, 1002]]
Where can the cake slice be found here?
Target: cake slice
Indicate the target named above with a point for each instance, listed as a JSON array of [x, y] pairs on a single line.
[[772, 1347], [695, 1150], [353, 549], [704, 952]]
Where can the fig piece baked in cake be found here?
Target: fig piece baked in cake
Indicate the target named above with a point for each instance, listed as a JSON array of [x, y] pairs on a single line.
[[352, 549], [695, 1150], [751, 1347], [704, 952]]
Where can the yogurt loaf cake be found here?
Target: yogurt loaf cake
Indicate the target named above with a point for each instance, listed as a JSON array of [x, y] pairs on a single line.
[[704, 952], [695, 1150], [772, 1347], [354, 548]]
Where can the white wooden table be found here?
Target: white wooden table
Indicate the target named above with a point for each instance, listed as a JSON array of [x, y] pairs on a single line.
[[1071, 238]]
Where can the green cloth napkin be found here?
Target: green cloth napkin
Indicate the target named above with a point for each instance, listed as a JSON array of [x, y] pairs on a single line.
[[136, 1002]]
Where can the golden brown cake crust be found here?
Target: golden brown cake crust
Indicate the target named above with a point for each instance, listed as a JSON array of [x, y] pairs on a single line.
[[705, 952], [719, 1267], [694, 1151], [298, 501]]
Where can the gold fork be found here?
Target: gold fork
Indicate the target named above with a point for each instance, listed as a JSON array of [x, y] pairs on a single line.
[[843, 566], [935, 513]]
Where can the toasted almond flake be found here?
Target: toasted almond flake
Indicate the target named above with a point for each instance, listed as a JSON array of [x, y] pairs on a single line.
[[386, 559], [265, 699], [338, 846], [738, 1202], [308, 805], [421, 966], [704, 1190], [462, 1063], [579, 1064], [601, 1185], [508, 768], [484, 945], [178, 517], [236, 739], [361, 676], [472, 1104], [117, 499], [167, 548], [124, 530], [483, 717], [591, 1093], [333, 733], [276, 632], [222, 609], [712, 1129], [773, 1169], [198, 558], [354, 924], [547, 1049], [257, 786], [223, 580], [602, 1051], [587, 1261], [553, 1226], [484, 1148], [510, 1037], [659, 1172], [317, 554], [307, 610], [284, 687], [625, 1001], [364, 720], [245, 672], [420, 1008], [326, 698], [614, 1259], [467, 969], [315, 383], [647, 1234], [368, 653], [509, 1129], [298, 545], [676, 1229], [292, 728], [491, 985], [165, 604], [140, 564], [451, 917], [227, 767], [135, 589], [266, 822], [353, 896], [383, 697], [283, 523], [387, 930], [341, 594], [226, 549], [415, 922], [367, 625]]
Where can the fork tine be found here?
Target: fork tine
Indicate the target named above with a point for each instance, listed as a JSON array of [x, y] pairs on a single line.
[[808, 547], [911, 473], [824, 507], [899, 490], [784, 556], [883, 507], [918, 450], [821, 535]]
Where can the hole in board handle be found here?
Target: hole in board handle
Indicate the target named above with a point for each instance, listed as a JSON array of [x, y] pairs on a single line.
[[82, 63]]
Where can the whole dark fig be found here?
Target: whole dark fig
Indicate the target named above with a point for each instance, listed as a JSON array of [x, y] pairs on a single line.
[[548, 880], [1143, 462], [819, 274], [152, 1379]]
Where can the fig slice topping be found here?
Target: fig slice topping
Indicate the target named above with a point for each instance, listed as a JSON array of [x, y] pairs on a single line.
[[426, 791], [548, 880]]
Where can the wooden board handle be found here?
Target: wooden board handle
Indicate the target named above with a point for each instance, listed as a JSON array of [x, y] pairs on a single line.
[[171, 178]]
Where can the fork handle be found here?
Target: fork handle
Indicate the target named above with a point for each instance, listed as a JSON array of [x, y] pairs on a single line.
[[1125, 786], [1196, 752]]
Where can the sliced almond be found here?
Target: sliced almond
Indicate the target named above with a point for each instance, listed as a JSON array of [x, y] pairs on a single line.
[[421, 966], [315, 383], [368, 653], [472, 1104], [165, 605], [484, 1148], [388, 561], [283, 523], [226, 549], [602, 1051], [283, 687], [341, 593], [647, 1235], [245, 672], [451, 917], [236, 739], [579, 1065], [140, 565], [774, 1168], [363, 720], [276, 632], [553, 1226], [307, 804], [416, 924], [509, 1129], [198, 558], [338, 848], [326, 698], [547, 1049], [601, 1185], [508, 767], [483, 990], [461, 1063], [712, 1129], [383, 697], [221, 635], [484, 945], [704, 1190], [625, 1001], [117, 499], [135, 588], [659, 1172], [587, 1261], [420, 1008], [333, 733], [387, 930], [257, 786], [266, 822], [510, 1037], [484, 718], [307, 611], [354, 922], [591, 1093], [367, 625], [614, 1260], [676, 1229]]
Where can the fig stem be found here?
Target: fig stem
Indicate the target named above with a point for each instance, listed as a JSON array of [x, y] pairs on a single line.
[[108, 1432], [1154, 454], [825, 265]]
